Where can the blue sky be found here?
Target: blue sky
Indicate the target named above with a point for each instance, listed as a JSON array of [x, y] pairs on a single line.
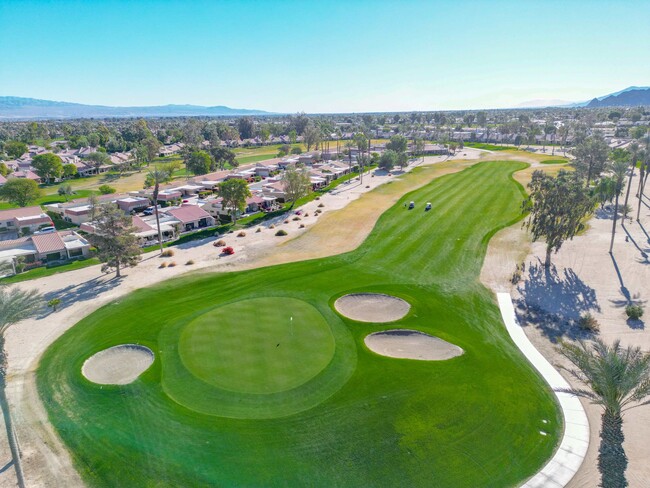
[[322, 56]]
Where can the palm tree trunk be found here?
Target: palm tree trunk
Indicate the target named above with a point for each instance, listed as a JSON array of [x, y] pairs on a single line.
[[11, 433], [547, 261], [640, 193], [611, 244], [627, 194], [155, 207], [612, 461]]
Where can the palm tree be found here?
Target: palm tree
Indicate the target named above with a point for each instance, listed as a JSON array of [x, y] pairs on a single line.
[[618, 379], [644, 169], [15, 305], [619, 169], [633, 150], [155, 178]]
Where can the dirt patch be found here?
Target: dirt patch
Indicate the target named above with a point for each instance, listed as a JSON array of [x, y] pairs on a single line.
[[411, 344], [119, 365], [372, 307]]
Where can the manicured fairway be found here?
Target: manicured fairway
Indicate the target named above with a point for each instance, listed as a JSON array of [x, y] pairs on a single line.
[[209, 412]]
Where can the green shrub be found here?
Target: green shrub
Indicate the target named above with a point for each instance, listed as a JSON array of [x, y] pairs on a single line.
[[106, 190], [634, 312], [55, 302], [281, 232]]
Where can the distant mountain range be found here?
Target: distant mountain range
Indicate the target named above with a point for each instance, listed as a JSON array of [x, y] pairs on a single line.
[[32, 108], [632, 96]]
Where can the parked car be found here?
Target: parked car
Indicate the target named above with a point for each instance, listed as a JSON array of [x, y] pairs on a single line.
[[45, 230]]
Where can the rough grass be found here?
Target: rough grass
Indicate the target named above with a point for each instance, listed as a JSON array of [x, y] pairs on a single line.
[[470, 421]]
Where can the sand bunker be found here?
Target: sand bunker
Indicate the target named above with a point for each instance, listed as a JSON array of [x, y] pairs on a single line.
[[411, 344], [372, 307], [118, 365]]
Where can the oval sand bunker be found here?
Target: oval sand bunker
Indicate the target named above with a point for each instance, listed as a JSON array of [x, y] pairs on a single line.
[[372, 307], [411, 344], [118, 365]]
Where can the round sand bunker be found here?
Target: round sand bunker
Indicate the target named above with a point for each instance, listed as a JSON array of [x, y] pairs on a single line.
[[372, 307], [118, 365], [411, 344]]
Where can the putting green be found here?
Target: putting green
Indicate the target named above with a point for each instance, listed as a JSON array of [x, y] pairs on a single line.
[[262, 345]]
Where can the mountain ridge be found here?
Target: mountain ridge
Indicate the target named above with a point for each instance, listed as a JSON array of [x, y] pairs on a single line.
[[36, 108]]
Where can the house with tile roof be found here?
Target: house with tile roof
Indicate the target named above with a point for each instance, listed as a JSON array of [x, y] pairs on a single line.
[[191, 217], [25, 220], [40, 249]]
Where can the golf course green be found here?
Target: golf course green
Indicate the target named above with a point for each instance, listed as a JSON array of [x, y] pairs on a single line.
[[258, 381]]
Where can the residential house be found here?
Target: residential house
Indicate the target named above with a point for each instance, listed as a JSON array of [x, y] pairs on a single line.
[[191, 217], [26, 220], [50, 247]]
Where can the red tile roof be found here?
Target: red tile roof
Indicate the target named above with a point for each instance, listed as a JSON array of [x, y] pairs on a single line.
[[50, 242], [24, 212], [140, 224], [189, 213]]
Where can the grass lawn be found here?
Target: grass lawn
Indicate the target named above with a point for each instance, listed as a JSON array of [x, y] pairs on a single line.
[[489, 147], [554, 161], [51, 198], [44, 271], [200, 416]]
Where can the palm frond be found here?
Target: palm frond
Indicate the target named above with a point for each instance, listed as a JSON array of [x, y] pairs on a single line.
[[16, 305]]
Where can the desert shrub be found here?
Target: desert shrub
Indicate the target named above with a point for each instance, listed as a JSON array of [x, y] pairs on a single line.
[[190, 262], [306, 214], [272, 226], [220, 243], [634, 312], [317, 198], [259, 229], [163, 265], [320, 205], [172, 264], [228, 251], [302, 226], [286, 221], [589, 323], [281, 232], [241, 234], [167, 253], [296, 218]]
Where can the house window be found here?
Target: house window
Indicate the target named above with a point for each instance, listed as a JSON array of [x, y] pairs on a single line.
[[76, 252], [54, 256]]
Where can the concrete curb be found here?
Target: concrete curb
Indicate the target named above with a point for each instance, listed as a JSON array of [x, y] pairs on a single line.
[[575, 441]]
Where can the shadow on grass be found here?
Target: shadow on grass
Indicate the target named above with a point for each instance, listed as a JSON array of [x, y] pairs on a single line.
[[554, 302]]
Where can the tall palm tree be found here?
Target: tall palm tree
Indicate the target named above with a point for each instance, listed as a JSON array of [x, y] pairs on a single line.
[[155, 178], [15, 305], [619, 170], [617, 379], [644, 169], [633, 151]]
